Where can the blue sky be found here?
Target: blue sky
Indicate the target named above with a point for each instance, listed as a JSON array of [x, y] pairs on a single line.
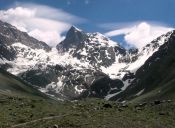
[[108, 15]]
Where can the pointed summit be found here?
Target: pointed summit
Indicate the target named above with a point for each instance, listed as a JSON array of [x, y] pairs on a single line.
[[73, 38], [74, 32], [74, 28]]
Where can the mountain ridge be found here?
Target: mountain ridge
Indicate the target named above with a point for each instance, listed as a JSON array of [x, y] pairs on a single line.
[[156, 77], [77, 64]]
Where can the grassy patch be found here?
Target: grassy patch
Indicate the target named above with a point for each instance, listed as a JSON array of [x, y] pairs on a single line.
[[87, 113]]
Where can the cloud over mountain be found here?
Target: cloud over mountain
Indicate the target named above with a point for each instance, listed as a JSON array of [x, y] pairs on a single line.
[[42, 22], [139, 34]]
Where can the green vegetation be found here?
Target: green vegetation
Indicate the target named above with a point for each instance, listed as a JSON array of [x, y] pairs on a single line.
[[22, 106], [88, 113]]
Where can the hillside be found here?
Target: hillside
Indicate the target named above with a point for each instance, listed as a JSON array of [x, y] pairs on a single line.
[[13, 86], [155, 79]]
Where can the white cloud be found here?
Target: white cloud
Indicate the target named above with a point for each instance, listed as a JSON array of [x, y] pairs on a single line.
[[52, 37], [140, 34], [42, 22]]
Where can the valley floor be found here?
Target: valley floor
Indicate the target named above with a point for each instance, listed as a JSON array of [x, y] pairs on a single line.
[[27, 112]]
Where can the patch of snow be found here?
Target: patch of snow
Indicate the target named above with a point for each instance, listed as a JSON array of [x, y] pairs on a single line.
[[101, 39], [140, 92], [111, 95], [84, 52], [44, 90], [126, 83], [77, 29], [27, 58], [113, 70], [79, 91]]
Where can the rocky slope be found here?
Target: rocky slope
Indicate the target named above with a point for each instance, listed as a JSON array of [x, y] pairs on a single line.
[[10, 35], [155, 79]]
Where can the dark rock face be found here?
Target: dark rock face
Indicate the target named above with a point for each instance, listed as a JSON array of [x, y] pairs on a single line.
[[134, 54], [102, 87], [7, 53], [9, 35], [128, 75], [40, 77], [129, 56]]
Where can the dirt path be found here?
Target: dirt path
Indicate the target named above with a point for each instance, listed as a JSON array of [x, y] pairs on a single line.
[[37, 120]]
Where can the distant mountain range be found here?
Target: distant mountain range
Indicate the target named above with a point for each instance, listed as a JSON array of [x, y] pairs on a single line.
[[90, 65]]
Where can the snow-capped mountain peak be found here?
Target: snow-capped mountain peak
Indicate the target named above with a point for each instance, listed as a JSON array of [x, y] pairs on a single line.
[[78, 64], [74, 28], [73, 38]]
